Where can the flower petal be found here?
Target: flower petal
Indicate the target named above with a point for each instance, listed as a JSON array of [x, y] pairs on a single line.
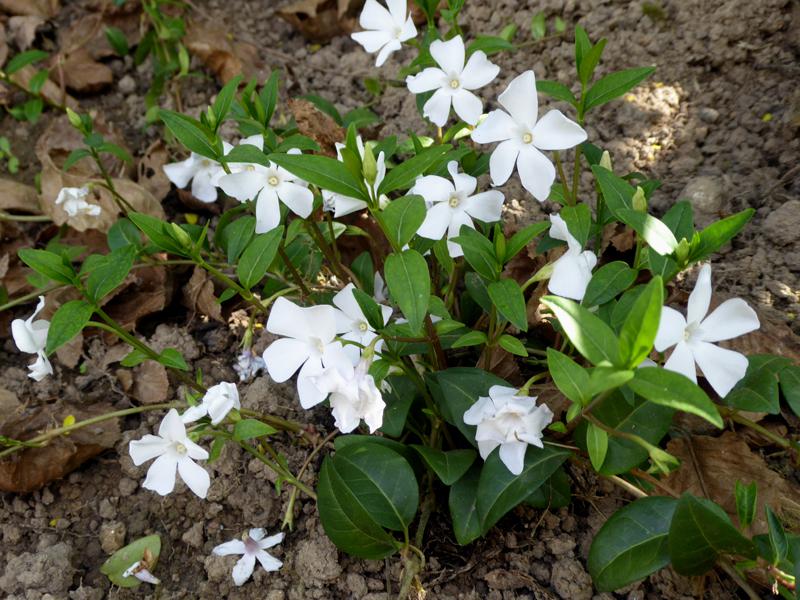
[[375, 16], [345, 301], [204, 187], [193, 413], [671, 329], [24, 337], [269, 562], [372, 41], [283, 357], [390, 47], [180, 173], [272, 540], [496, 127], [344, 205], [437, 108], [478, 72], [268, 213], [536, 172], [682, 361], [398, 9], [298, 198], [161, 475], [554, 131], [478, 412], [502, 161], [243, 569], [485, 447], [730, 319], [426, 80], [721, 367], [436, 221], [243, 185], [195, 476], [513, 456], [147, 448], [194, 451], [458, 219], [486, 206], [700, 298], [310, 395], [171, 427], [467, 106], [432, 188], [449, 55], [409, 30], [463, 182], [228, 548], [571, 275], [520, 99]]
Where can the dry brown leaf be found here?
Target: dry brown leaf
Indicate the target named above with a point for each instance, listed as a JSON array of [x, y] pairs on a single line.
[[313, 123], [223, 56], [32, 468], [50, 91], [151, 384], [322, 20], [23, 30], [144, 292], [721, 461], [502, 363], [70, 353], [38, 8], [15, 196], [151, 174], [83, 74], [89, 31], [3, 46], [198, 296]]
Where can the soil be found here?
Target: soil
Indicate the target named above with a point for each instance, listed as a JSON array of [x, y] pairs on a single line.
[[718, 124]]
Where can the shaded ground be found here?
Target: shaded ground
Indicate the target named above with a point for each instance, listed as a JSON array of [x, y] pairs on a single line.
[[719, 121]]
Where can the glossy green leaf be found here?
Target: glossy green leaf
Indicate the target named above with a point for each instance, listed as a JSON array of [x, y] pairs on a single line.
[[790, 387], [324, 172], [67, 322], [597, 445], [639, 330], [507, 297], [719, 233], [556, 90], [51, 265], [615, 85], [110, 273], [471, 338], [125, 557], [156, 232], [405, 174], [513, 345], [449, 466], [588, 333], [403, 218], [409, 284], [23, 59], [463, 506], [258, 256], [671, 389], [608, 282], [478, 252], [570, 378], [248, 429], [522, 238], [191, 133]]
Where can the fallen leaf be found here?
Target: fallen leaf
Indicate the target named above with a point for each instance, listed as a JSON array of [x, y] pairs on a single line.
[[38, 8], [3, 46], [32, 468], [151, 384], [503, 364], [313, 123], [50, 91], [15, 196], [83, 74], [151, 172], [23, 30], [322, 20], [723, 460], [223, 56], [145, 291], [89, 32], [198, 296], [70, 353]]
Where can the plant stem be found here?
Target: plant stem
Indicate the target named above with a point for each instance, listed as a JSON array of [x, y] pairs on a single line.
[[560, 168], [734, 416], [327, 250], [30, 296], [4, 216], [279, 470], [248, 296], [576, 173], [728, 567], [293, 272]]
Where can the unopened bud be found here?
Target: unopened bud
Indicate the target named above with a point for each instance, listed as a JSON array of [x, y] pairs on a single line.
[[369, 168], [74, 119], [179, 235], [605, 161], [682, 251], [211, 117], [639, 200]]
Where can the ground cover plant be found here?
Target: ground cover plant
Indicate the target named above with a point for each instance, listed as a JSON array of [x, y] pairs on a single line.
[[397, 296]]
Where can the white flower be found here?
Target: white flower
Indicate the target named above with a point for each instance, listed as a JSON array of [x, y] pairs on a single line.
[[269, 185], [308, 344], [204, 173], [521, 137], [573, 269], [385, 29], [451, 205], [31, 337], [342, 205], [353, 396], [248, 365], [453, 82], [252, 547], [380, 292], [73, 201], [509, 421], [350, 319], [693, 336], [217, 402], [141, 573], [172, 450]]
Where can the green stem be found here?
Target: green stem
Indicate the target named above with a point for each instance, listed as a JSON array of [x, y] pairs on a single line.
[[326, 249], [734, 416], [4, 216], [279, 470], [248, 296], [576, 173], [30, 296], [560, 168], [123, 204], [292, 271]]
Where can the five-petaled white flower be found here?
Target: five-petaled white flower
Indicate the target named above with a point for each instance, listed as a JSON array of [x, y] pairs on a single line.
[[253, 546], [573, 269], [385, 29], [350, 319], [267, 185], [31, 337], [522, 137], [308, 344], [204, 173], [216, 403], [342, 205], [353, 396], [172, 450], [509, 421], [451, 205], [453, 82], [693, 336], [73, 201], [140, 571]]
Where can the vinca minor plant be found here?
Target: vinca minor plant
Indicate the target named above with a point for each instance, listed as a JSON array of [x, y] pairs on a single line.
[[400, 341]]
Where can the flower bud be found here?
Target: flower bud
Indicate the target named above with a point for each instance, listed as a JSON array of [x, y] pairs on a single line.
[[179, 235], [682, 251], [74, 119], [605, 161], [639, 200], [369, 168]]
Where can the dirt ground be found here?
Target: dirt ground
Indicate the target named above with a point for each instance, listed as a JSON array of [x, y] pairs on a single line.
[[718, 124]]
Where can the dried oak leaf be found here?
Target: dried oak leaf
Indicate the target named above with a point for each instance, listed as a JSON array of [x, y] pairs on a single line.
[[321, 20], [82, 73], [151, 384], [89, 32], [222, 55], [3, 46], [23, 30], [32, 468], [15, 196], [503, 364], [198, 296], [313, 123], [721, 461], [38, 8], [50, 91], [151, 174], [145, 291]]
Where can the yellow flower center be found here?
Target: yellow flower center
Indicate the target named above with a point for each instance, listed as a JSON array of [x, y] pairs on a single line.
[[180, 448], [273, 181], [454, 201], [363, 327], [454, 83], [206, 162], [527, 138], [250, 168]]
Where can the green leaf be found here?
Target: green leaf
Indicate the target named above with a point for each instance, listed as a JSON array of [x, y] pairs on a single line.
[[615, 85], [360, 117], [324, 172], [398, 400], [654, 232], [51, 265], [538, 26], [247, 153], [757, 391], [269, 96], [499, 490], [154, 229], [790, 387], [258, 256], [700, 531], [75, 156], [172, 358], [570, 378], [224, 100], [604, 378], [471, 338], [237, 236], [403, 218], [746, 497], [117, 40], [191, 133], [409, 284], [248, 429], [589, 334], [123, 233], [325, 106], [640, 327], [478, 252], [607, 282], [511, 344], [346, 522], [490, 44], [632, 544], [680, 220], [597, 445], [112, 271], [405, 174], [448, 466], [556, 90], [582, 46], [507, 297], [135, 357], [589, 62], [125, 557], [67, 322], [719, 233], [777, 536], [522, 238], [370, 308], [579, 221], [674, 390], [383, 482], [463, 507], [23, 59]]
